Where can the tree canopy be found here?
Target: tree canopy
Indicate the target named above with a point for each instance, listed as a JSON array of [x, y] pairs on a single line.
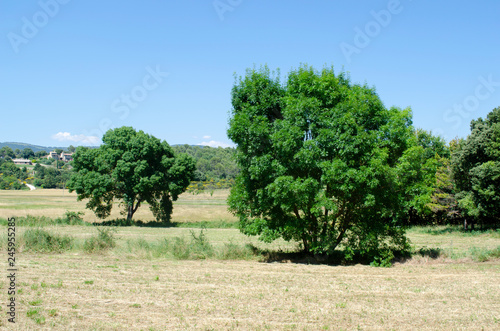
[[476, 170], [319, 161], [211, 163], [134, 167]]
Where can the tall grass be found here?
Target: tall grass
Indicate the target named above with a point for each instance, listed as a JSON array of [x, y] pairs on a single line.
[[69, 218], [38, 240], [196, 247], [453, 229], [102, 241]]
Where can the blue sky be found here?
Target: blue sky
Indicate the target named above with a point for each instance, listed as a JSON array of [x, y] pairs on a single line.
[[72, 69]]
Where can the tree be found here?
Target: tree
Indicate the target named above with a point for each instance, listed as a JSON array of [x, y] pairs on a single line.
[[41, 154], [318, 158], [476, 170], [27, 153], [71, 149], [134, 167], [6, 151], [425, 178]]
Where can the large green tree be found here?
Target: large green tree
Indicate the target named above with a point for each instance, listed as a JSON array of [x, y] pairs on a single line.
[[319, 161], [134, 167], [476, 170]]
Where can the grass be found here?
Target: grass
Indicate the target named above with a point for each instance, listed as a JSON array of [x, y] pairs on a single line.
[[55, 203], [42, 241], [179, 278], [102, 241], [224, 295]]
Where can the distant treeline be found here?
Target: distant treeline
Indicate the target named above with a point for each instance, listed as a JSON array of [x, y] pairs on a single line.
[[211, 163], [13, 177]]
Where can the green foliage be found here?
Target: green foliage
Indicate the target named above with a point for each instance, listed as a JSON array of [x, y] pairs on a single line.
[[425, 177], [133, 167], [476, 170], [211, 163], [70, 218], [11, 176], [73, 218], [50, 177], [27, 153], [232, 251], [200, 186], [6, 151], [101, 242], [319, 161], [42, 241]]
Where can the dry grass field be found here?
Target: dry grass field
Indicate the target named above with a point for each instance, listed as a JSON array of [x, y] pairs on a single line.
[[129, 288], [55, 202], [88, 292]]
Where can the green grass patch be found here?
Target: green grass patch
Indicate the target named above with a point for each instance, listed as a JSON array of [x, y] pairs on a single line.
[[69, 218], [102, 241], [195, 247], [42, 241], [453, 229]]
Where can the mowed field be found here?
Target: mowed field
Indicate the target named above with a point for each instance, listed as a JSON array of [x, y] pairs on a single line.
[[55, 202], [127, 288]]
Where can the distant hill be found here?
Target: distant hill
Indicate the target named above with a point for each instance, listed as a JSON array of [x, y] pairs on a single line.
[[35, 148]]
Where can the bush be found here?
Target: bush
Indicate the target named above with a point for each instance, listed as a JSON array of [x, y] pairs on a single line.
[[103, 241], [231, 251], [70, 218], [198, 248], [41, 241], [73, 218]]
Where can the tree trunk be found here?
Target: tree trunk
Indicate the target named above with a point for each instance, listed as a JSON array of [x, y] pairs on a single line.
[[130, 212], [306, 245], [131, 209]]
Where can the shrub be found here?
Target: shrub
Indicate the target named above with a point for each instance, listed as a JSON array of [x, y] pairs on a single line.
[[73, 218], [41, 241], [231, 251], [104, 240]]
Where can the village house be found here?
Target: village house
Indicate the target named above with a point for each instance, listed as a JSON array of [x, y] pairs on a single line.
[[22, 161], [66, 157]]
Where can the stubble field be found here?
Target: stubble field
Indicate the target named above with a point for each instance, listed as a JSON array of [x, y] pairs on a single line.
[[126, 287]]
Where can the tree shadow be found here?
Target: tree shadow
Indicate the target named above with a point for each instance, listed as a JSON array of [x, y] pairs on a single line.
[[337, 258], [122, 222]]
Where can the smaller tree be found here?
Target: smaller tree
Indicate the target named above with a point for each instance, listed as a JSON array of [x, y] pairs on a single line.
[[133, 167]]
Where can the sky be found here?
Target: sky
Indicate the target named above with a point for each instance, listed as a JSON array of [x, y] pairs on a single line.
[[70, 70]]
